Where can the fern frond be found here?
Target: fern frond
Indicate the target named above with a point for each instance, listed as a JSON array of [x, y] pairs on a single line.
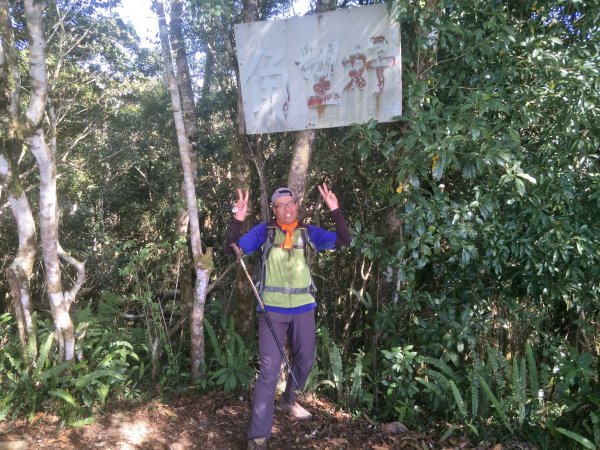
[[443, 367], [462, 407], [357, 375], [439, 377], [432, 387], [499, 407], [335, 358], [212, 337], [533, 372], [521, 391], [43, 359]]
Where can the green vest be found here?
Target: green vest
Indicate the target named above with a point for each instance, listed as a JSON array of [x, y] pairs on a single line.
[[287, 279]]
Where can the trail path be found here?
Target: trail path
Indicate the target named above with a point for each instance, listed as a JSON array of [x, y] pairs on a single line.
[[215, 421]]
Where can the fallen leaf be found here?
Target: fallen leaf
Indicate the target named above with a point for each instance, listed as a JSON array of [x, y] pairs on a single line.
[[381, 447], [37, 417], [227, 410], [338, 441]]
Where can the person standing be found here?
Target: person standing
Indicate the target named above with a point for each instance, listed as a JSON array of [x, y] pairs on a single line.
[[288, 293]]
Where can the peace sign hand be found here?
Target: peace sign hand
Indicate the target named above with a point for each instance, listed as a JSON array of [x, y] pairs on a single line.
[[328, 197], [240, 207]]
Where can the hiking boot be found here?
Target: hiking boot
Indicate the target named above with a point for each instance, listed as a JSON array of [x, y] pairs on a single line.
[[257, 444], [294, 410]]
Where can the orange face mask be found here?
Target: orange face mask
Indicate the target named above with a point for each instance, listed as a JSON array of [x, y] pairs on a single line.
[[289, 233]]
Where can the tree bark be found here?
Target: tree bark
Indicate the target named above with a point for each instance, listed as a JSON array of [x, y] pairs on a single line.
[[60, 301], [19, 272], [202, 262], [191, 129], [261, 170], [184, 80], [303, 146]]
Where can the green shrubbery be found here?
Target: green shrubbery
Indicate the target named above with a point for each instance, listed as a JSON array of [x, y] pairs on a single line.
[[106, 365]]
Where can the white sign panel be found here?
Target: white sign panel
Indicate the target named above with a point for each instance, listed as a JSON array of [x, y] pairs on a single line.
[[320, 71]]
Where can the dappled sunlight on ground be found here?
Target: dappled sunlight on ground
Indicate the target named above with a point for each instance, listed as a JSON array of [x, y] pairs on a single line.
[[135, 432], [219, 421]]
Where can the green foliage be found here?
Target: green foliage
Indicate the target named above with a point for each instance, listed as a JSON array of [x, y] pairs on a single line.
[[149, 270], [577, 438], [106, 365], [230, 364], [348, 381], [400, 383]]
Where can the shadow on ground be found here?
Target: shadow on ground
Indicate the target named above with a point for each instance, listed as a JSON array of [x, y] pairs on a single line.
[[217, 421]]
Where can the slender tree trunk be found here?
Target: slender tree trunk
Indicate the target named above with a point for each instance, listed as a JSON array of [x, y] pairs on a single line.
[[202, 262], [261, 169], [191, 129], [303, 147], [184, 80], [20, 271], [60, 301]]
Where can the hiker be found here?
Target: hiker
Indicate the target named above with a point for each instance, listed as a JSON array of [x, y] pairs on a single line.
[[288, 294]]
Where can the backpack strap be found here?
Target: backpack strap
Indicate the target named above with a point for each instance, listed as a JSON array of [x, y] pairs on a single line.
[[265, 250], [309, 254], [310, 251]]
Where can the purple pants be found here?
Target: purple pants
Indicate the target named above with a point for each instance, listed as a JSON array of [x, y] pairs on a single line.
[[299, 329]]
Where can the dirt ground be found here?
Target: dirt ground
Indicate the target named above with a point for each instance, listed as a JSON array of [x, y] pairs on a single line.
[[216, 421]]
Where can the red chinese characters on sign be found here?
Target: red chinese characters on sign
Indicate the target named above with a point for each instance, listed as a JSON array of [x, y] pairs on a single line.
[[319, 69], [356, 64], [322, 97], [377, 61]]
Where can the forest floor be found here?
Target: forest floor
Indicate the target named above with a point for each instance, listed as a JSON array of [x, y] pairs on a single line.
[[219, 421]]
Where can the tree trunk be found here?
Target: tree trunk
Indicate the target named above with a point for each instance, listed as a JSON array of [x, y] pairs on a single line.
[[19, 272], [202, 262], [303, 147], [191, 129], [261, 170], [184, 80], [60, 301]]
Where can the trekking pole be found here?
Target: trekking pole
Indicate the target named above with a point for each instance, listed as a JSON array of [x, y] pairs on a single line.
[[238, 254]]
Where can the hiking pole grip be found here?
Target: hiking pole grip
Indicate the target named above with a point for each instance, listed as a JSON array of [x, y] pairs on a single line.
[[237, 250]]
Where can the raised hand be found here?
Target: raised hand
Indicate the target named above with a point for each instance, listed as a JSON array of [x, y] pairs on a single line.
[[328, 197], [240, 207]]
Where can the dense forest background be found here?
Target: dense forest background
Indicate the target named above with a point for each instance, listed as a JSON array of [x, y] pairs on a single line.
[[469, 299]]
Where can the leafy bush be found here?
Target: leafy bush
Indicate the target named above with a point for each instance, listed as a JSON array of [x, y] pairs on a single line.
[[107, 366], [230, 364], [348, 380]]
